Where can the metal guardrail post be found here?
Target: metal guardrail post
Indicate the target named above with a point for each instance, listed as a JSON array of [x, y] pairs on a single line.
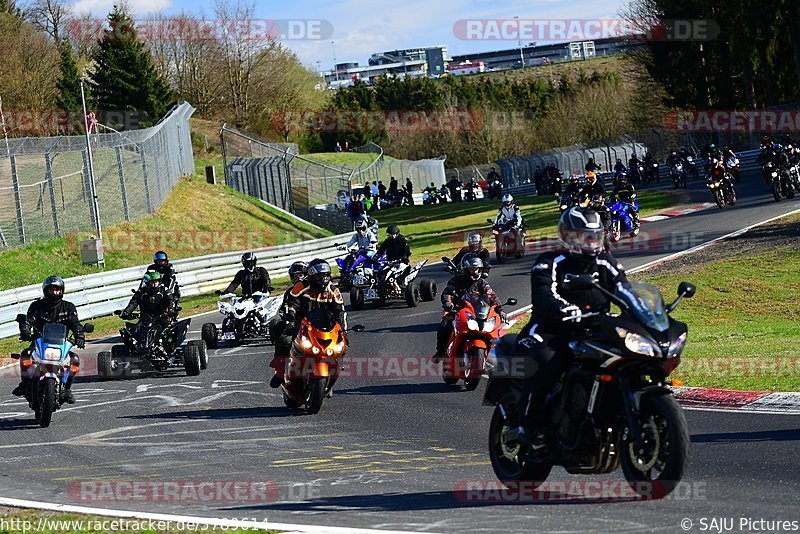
[[48, 165]]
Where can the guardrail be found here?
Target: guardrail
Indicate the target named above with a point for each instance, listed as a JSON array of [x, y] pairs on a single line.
[[100, 294]]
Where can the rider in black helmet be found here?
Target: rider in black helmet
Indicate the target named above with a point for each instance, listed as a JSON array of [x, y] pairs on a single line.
[[251, 278], [546, 336], [51, 308]]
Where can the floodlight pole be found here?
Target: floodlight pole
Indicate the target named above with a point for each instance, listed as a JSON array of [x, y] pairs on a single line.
[[92, 186]]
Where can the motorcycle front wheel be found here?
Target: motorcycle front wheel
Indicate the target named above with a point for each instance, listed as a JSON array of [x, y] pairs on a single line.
[[656, 469], [315, 394], [510, 460], [47, 401]]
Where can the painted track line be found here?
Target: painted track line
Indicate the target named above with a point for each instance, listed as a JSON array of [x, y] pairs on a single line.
[[288, 528]]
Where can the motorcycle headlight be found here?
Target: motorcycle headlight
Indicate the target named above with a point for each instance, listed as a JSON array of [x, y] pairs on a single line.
[[338, 347], [472, 324], [224, 308], [305, 342], [774, 174], [563, 206], [488, 326], [315, 350], [52, 353], [677, 346], [638, 344]]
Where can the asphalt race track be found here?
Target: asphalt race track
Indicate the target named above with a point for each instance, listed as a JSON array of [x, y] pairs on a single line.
[[393, 445]]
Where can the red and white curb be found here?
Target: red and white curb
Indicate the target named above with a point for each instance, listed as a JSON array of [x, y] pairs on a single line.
[[678, 213], [783, 403]]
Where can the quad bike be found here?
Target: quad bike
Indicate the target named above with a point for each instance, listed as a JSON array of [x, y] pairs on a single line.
[[394, 280], [246, 319], [152, 346]]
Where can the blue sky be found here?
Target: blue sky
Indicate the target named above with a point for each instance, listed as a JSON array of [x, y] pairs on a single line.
[[361, 27]]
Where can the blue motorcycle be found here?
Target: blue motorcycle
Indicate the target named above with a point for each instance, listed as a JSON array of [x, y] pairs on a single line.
[[623, 217], [49, 366]]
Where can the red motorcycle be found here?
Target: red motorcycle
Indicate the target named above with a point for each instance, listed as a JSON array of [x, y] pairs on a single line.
[[509, 240], [477, 323]]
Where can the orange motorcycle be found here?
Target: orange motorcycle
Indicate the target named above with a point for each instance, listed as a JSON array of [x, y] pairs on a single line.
[[313, 363], [477, 324]]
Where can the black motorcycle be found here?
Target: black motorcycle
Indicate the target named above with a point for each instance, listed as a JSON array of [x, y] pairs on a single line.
[[151, 345], [611, 407], [775, 173], [721, 184]]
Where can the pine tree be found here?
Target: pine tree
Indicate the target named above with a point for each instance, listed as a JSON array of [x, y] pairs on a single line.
[[69, 90], [125, 76]]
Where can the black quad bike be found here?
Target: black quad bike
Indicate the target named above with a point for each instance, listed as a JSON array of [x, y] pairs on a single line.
[[611, 407], [151, 347]]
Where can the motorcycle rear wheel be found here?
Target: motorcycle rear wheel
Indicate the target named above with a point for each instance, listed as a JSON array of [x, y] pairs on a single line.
[[509, 462], [666, 445]]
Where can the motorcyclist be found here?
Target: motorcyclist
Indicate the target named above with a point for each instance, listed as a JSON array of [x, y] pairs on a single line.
[[251, 278], [51, 308], [169, 277], [363, 241], [545, 338], [573, 187], [673, 158], [494, 185], [729, 155], [397, 251], [592, 188], [626, 192], [469, 280], [509, 214], [633, 167], [619, 166], [153, 300], [474, 246], [433, 192], [283, 343], [315, 292], [591, 166]]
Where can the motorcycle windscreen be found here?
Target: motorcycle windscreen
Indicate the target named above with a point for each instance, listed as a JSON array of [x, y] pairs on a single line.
[[321, 319], [646, 303], [54, 334]]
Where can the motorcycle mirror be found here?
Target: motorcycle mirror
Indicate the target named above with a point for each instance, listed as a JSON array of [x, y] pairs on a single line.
[[22, 318], [489, 221], [133, 291], [686, 289], [15, 356], [88, 328], [357, 328], [511, 302], [445, 259]]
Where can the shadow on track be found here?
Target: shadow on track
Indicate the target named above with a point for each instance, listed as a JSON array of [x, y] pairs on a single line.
[[412, 328], [744, 437], [400, 389], [429, 500], [222, 413], [18, 424]]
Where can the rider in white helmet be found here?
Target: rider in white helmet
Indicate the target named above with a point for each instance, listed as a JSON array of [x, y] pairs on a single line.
[[509, 213]]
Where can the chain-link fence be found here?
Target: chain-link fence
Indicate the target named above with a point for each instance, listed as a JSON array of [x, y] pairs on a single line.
[[46, 191], [276, 174]]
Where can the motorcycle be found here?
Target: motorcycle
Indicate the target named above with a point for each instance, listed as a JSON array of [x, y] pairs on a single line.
[[566, 201], [313, 363], [429, 197], [149, 346], [720, 184], [623, 218], [678, 175], [779, 178], [732, 166], [611, 407], [476, 325], [509, 240], [651, 174], [48, 366], [636, 173], [391, 281], [355, 260], [245, 318]]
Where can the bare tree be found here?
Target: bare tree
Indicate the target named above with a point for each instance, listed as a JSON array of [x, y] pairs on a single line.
[[50, 16]]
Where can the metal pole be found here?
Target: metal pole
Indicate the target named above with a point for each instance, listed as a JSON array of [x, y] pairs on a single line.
[[519, 42], [93, 188]]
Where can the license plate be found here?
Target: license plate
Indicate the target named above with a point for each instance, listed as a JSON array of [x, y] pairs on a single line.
[[371, 294], [358, 280], [229, 335]]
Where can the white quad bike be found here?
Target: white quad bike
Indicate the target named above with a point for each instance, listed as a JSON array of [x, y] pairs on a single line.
[[246, 318], [398, 283]]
